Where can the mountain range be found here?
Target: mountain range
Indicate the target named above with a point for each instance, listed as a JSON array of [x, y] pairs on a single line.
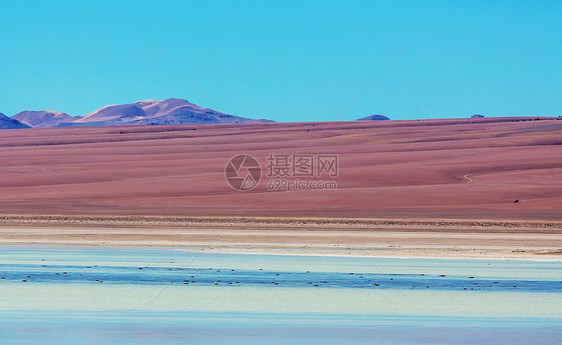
[[173, 111]]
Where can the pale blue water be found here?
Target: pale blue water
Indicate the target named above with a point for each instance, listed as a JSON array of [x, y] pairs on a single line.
[[103, 295]]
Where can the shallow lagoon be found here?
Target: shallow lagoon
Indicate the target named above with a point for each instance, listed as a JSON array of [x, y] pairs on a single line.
[[65, 294]]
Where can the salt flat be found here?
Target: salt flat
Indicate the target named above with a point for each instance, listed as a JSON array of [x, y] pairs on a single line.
[[53, 294]]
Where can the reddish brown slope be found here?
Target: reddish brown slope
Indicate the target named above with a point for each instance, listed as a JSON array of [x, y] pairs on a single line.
[[431, 168]]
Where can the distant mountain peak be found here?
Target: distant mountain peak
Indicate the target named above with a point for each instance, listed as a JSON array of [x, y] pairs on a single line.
[[42, 118], [9, 123], [145, 102], [170, 111], [373, 118]]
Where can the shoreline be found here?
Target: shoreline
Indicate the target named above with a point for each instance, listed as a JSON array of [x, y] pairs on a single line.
[[297, 220], [319, 252], [373, 238]]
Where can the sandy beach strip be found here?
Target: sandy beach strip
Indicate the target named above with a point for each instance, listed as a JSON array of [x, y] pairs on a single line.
[[429, 238]]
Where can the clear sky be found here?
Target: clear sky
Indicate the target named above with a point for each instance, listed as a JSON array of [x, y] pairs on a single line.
[[285, 60]]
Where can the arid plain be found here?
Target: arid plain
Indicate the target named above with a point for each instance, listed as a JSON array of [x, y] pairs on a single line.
[[422, 188]]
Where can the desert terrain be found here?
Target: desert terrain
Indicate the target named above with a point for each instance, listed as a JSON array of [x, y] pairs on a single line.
[[454, 168], [408, 187]]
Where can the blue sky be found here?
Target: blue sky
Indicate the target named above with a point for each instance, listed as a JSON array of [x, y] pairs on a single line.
[[285, 60]]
